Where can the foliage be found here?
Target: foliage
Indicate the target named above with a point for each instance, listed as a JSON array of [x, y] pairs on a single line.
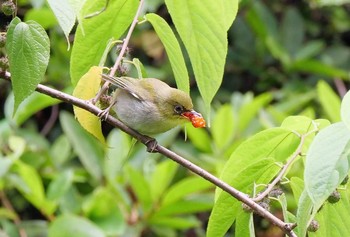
[[60, 178]]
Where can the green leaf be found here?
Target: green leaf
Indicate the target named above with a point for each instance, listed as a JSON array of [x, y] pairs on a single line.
[[88, 149], [66, 12], [297, 185], [173, 50], [199, 138], [43, 16], [68, 225], [86, 88], [249, 110], [226, 208], [183, 207], [60, 150], [119, 145], [322, 3], [244, 224], [264, 24], [32, 188], [303, 124], [223, 126], [345, 109], [252, 162], [202, 28], [181, 223], [28, 49], [140, 187], [309, 50], [304, 215], [260, 146], [327, 162], [60, 185], [292, 30], [317, 67], [93, 34], [7, 214], [102, 208], [31, 105], [229, 9], [334, 218], [161, 178], [185, 187], [329, 100]]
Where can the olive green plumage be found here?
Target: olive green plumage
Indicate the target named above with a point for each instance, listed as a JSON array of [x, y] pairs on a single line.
[[149, 105]]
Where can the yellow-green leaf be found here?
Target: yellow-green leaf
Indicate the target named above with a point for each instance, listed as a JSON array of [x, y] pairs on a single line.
[[87, 88]]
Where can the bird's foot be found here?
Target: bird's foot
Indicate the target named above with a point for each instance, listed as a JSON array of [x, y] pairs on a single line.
[[151, 144], [104, 114]]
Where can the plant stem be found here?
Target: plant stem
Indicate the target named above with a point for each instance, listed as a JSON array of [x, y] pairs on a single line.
[[121, 54], [7, 204]]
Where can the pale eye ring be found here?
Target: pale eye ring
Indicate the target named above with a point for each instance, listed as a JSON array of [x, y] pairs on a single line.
[[178, 109]]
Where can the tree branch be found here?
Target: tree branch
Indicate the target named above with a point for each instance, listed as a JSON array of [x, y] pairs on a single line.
[[87, 105]]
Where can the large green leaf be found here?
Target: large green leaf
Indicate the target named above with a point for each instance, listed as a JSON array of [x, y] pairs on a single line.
[[327, 162], [185, 187], [93, 34], [202, 27], [260, 146], [66, 12], [183, 207], [173, 50], [161, 178], [292, 29], [102, 207], [181, 223], [28, 49], [119, 145], [88, 149], [334, 218], [69, 225], [60, 185], [223, 126], [140, 187], [317, 67], [226, 208], [304, 213], [329, 100], [32, 188]]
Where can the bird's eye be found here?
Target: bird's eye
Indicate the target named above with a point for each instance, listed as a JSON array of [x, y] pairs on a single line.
[[178, 109]]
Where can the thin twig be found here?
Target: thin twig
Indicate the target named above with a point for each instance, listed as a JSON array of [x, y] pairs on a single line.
[[7, 204], [283, 171], [286, 227], [121, 54], [341, 87], [285, 167], [51, 121]]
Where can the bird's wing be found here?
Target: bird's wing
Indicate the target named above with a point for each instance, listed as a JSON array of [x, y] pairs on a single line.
[[123, 83]]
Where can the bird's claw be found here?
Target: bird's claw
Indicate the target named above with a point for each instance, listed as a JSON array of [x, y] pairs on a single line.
[[151, 144], [103, 114]]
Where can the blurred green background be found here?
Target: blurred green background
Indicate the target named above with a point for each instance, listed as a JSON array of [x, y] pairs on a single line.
[[284, 58]]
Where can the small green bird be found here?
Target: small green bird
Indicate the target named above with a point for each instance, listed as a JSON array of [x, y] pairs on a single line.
[[151, 106]]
